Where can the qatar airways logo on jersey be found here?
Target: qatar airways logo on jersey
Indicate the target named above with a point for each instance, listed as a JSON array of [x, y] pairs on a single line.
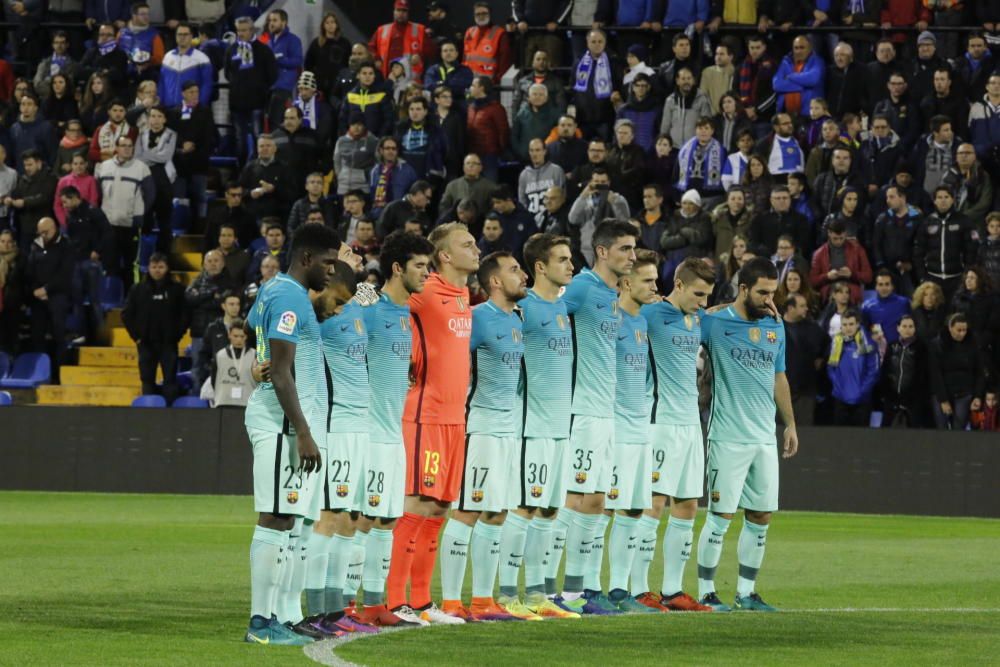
[[685, 343], [357, 351], [511, 360], [636, 361], [751, 358], [609, 328], [460, 326], [402, 349], [562, 345]]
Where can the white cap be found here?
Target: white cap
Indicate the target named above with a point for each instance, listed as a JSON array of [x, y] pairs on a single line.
[[693, 197]]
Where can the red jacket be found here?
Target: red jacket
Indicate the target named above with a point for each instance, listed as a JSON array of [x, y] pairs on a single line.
[[857, 262], [486, 51], [903, 13], [486, 128], [391, 41]]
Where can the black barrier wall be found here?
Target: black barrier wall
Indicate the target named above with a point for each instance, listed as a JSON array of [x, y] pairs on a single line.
[[207, 451]]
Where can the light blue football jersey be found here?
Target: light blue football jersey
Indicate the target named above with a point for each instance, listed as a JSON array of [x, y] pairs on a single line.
[[674, 340], [497, 346], [633, 389], [548, 363], [389, 343], [593, 309], [345, 347]]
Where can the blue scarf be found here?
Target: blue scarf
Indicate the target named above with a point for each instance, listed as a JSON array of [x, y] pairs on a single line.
[[710, 169], [107, 47], [856, 6], [602, 80], [243, 54], [785, 157], [56, 64]]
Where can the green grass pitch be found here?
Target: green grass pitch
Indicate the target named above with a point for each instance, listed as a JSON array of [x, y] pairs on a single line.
[[93, 579]]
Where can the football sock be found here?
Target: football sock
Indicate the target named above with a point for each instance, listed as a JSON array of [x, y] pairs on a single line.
[[299, 571], [289, 609], [710, 551], [595, 561], [376, 567], [484, 548], [355, 565], [750, 552], [266, 550], [557, 547], [537, 543], [676, 552], [512, 541], [316, 565], [645, 546], [340, 548], [579, 546], [454, 556], [277, 599], [404, 538], [422, 569], [621, 550]]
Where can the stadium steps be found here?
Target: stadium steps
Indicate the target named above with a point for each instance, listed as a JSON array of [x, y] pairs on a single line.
[[102, 376], [126, 357], [120, 338], [68, 394], [189, 261]]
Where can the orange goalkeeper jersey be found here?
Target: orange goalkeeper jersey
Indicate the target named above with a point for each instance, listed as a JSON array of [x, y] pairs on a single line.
[[442, 327]]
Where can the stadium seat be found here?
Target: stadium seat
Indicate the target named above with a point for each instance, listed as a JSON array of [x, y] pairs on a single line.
[[4, 365], [29, 371], [190, 402], [180, 218], [149, 401], [147, 246], [185, 381], [5, 399], [112, 292], [219, 161]]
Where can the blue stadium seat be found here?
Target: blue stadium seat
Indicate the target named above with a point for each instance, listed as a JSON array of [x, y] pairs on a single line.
[[5, 399], [4, 365], [147, 246], [112, 292], [184, 380], [190, 402], [29, 371], [149, 401], [180, 218], [219, 161]]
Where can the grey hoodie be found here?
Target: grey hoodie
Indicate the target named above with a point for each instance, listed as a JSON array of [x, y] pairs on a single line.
[[534, 181], [679, 118], [353, 160]]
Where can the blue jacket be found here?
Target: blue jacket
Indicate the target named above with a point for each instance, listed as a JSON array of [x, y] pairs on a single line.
[[645, 117], [130, 42], [984, 128], [854, 378], [403, 176], [459, 79], [287, 49], [808, 82], [106, 11], [682, 13], [179, 68], [517, 225], [886, 313], [38, 135], [634, 12]]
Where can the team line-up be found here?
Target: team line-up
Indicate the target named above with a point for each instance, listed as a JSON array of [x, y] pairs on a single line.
[[528, 421]]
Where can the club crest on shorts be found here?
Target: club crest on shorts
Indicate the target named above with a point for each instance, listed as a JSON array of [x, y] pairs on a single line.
[[374, 500], [754, 334], [342, 490], [715, 496], [428, 480], [656, 476], [772, 337], [612, 494], [581, 477], [536, 492], [292, 497], [477, 496]]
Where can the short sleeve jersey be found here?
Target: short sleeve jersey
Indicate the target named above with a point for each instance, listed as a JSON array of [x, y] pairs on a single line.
[[442, 324], [497, 348], [674, 339], [745, 356], [345, 346], [548, 362], [593, 309], [389, 347], [283, 312], [632, 390]]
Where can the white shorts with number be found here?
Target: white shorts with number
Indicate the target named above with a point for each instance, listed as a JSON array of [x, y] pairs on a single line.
[[490, 479], [385, 480], [588, 468], [279, 487], [346, 466], [678, 460], [630, 484], [543, 472], [742, 475]]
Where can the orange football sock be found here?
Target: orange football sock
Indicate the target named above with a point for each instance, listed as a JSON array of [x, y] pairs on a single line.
[[423, 562], [404, 539]]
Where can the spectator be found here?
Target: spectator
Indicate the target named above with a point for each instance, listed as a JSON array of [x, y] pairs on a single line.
[[984, 125], [893, 236], [875, 74], [230, 211], [974, 67], [840, 303], [316, 113], [216, 334], [755, 81], [32, 132], [787, 257], [448, 71], [546, 14], [518, 223], [354, 157], [313, 201], [347, 77], [597, 78], [683, 108], [731, 123], [32, 197], [988, 417], [89, 234], [196, 140], [287, 49], [795, 282], [736, 162], [60, 106], [595, 203], [298, 149], [757, 184], [236, 259], [945, 243], [829, 184], [451, 119], [411, 207], [439, 25], [643, 111], [899, 108], [699, 164], [251, 71], [274, 246], [718, 79], [402, 39], [60, 62], [486, 126], [365, 243], [567, 149], [652, 218], [843, 93], [730, 219], [883, 311], [232, 380], [268, 182], [852, 367], [554, 219], [126, 193], [103, 143], [491, 239], [471, 185], [49, 279], [822, 153], [328, 53], [422, 143], [537, 178], [847, 211], [988, 255], [969, 182], [799, 78], [920, 70], [373, 102], [666, 73], [946, 100], [391, 177], [156, 319], [353, 212], [880, 153], [781, 150], [727, 272], [73, 143], [182, 65], [904, 378], [138, 39], [688, 234], [767, 228], [13, 264], [805, 344], [82, 181], [958, 377], [540, 73], [203, 297], [155, 148], [840, 259], [978, 302], [534, 120], [94, 107], [269, 268], [928, 308], [628, 162]]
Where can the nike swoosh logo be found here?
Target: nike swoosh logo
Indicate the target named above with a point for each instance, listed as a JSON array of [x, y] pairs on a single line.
[[601, 306], [445, 302], [622, 337], [517, 555], [546, 323], [501, 336], [583, 544], [687, 544], [460, 544], [389, 325], [345, 327], [255, 638], [731, 333]]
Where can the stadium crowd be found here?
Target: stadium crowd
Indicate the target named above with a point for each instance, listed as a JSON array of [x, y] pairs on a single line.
[[865, 162]]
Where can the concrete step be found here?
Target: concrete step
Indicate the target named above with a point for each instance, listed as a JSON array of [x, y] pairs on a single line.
[[109, 356], [189, 261], [103, 376], [188, 243], [49, 394]]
